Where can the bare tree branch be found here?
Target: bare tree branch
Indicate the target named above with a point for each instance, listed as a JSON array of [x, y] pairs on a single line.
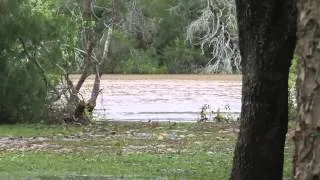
[[34, 60]]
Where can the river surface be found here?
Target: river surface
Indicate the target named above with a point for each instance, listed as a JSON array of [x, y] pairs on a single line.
[[164, 97]]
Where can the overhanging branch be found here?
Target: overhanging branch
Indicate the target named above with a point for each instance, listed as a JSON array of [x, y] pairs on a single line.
[[34, 60]]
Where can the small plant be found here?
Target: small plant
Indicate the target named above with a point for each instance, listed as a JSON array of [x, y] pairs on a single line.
[[220, 116], [204, 113], [228, 116], [88, 114], [227, 107]]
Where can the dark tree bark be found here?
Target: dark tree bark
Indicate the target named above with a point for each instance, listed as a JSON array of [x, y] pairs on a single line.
[[267, 38], [307, 134]]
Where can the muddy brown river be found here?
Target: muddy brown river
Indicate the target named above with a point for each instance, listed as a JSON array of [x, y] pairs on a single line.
[[164, 97]]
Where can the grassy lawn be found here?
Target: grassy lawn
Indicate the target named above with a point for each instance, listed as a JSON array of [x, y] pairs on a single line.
[[120, 151]]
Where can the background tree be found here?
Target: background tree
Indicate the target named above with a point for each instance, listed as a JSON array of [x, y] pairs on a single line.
[[150, 36], [267, 38], [32, 47], [216, 31], [307, 134]]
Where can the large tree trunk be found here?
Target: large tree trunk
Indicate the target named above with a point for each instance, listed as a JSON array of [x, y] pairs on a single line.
[[307, 134], [267, 38]]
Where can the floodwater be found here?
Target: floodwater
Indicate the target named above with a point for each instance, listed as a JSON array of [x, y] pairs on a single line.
[[164, 97]]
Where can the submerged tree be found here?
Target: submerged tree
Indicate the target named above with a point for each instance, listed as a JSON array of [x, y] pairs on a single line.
[[216, 30], [267, 38], [307, 134]]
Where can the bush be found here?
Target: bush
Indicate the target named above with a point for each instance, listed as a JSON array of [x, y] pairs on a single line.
[[23, 95], [30, 53]]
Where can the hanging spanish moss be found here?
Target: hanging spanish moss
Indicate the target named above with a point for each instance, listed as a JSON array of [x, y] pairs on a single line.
[[216, 30]]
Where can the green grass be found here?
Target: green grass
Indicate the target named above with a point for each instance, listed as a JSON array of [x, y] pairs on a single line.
[[31, 130], [198, 165], [122, 151]]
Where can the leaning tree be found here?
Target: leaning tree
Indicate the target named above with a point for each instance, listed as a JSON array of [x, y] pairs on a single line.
[[267, 39], [93, 40]]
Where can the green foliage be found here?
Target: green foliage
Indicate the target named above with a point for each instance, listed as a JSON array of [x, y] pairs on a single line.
[[292, 87], [142, 62], [210, 115], [23, 94], [30, 51], [293, 72], [152, 35], [204, 113], [220, 116], [181, 59], [120, 47]]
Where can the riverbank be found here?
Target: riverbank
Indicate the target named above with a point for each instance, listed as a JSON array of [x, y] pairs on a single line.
[[118, 150]]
